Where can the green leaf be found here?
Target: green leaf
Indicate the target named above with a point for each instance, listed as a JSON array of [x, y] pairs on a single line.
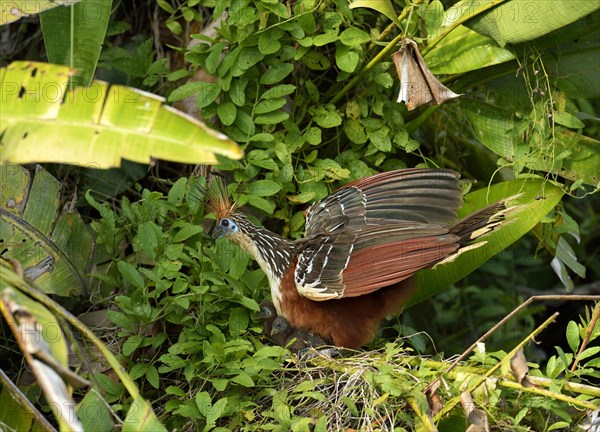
[[98, 125], [261, 203], [302, 198], [567, 120], [238, 320], [140, 417], [346, 58], [279, 91], [208, 91], [204, 403], [384, 7], [264, 188], [244, 380], [138, 370], [227, 112], [147, 238], [120, 319], [101, 420], [276, 73], [237, 92], [177, 191], [327, 118], [331, 169], [186, 232], [566, 254], [269, 105], [324, 39], [313, 136], [51, 245], [74, 37], [248, 57], [434, 17], [268, 42], [455, 54], [131, 344], [495, 128], [214, 57], [152, 376], [559, 425], [522, 20], [130, 274], [573, 336], [216, 411], [589, 352], [384, 79], [262, 137], [315, 60], [272, 118], [354, 36], [355, 131], [381, 139], [219, 384]]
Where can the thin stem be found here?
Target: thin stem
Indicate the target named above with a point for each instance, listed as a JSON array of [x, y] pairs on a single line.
[[511, 315], [452, 403], [374, 61], [547, 393], [588, 334]]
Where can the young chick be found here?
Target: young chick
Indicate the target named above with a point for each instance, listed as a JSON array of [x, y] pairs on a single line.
[[283, 334]]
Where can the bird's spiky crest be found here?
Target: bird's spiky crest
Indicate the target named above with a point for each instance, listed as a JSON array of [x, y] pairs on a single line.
[[219, 203]]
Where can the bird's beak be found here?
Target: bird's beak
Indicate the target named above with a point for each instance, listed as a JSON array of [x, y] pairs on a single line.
[[218, 232]]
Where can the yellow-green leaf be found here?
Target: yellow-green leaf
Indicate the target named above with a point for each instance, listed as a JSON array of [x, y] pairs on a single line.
[[97, 126]]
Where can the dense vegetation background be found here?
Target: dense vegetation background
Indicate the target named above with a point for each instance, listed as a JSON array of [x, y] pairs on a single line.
[[308, 89]]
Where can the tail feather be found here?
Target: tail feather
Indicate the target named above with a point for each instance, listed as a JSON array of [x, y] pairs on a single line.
[[479, 223]]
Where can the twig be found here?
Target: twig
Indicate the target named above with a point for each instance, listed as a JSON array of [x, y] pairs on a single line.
[[453, 402], [572, 387], [511, 315], [547, 393]]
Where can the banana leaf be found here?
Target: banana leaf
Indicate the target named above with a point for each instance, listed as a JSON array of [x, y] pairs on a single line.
[[45, 121], [52, 246]]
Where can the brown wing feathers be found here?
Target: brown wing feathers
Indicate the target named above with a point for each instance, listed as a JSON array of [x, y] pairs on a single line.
[[421, 195], [384, 265], [395, 223]]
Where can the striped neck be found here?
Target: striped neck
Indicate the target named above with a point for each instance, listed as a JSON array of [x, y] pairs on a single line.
[[272, 252]]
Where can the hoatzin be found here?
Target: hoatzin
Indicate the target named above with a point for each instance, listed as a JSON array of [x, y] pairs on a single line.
[[362, 244]]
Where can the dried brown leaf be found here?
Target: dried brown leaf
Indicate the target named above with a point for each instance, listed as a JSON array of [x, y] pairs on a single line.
[[418, 86]]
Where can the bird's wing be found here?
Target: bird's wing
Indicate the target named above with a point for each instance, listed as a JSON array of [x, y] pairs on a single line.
[[377, 263], [378, 256], [418, 195], [377, 231]]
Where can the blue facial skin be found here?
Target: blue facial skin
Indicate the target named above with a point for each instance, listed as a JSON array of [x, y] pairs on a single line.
[[224, 227]]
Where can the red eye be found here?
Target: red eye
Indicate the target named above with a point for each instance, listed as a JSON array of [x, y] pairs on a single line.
[[224, 223]]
